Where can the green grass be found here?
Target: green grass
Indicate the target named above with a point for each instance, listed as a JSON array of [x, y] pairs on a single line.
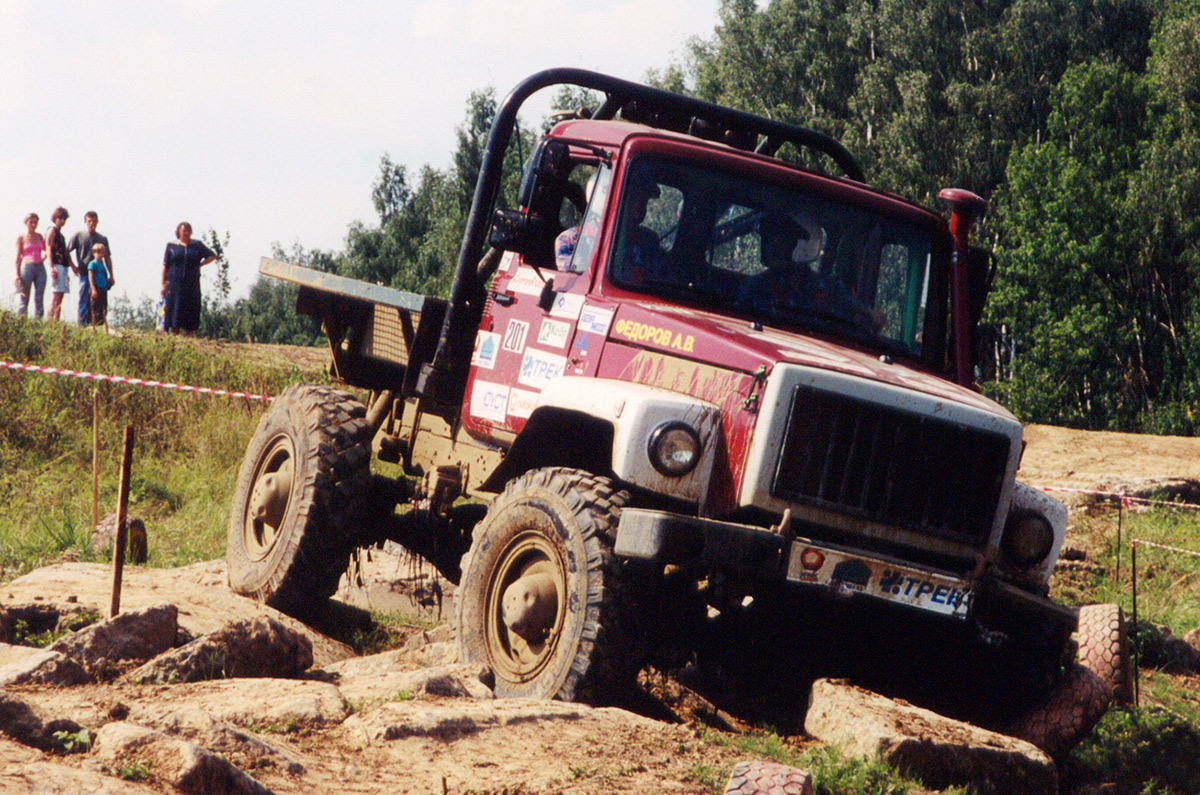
[[832, 773], [1155, 749], [187, 447]]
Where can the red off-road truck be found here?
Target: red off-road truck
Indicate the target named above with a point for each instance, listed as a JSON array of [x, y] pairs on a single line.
[[727, 419]]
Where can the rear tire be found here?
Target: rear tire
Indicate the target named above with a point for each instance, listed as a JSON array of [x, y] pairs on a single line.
[[302, 478], [1104, 648], [556, 527]]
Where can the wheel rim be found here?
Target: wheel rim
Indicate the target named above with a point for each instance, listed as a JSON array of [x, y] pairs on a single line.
[[533, 565], [269, 498]]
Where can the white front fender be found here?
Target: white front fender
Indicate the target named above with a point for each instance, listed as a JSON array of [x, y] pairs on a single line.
[[635, 411]]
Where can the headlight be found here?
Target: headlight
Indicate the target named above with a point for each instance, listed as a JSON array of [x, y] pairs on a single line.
[[674, 449], [1027, 539]]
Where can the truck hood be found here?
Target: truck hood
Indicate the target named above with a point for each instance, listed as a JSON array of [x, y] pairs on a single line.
[[732, 343]]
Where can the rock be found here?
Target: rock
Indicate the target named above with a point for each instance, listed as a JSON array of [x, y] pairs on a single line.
[[186, 766], [201, 591], [28, 725], [395, 720], [1160, 649], [10, 653], [135, 635], [44, 667], [242, 702], [382, 676], [940, 751], [104, 535], [1192, 638], [24, 771], [261, 647]]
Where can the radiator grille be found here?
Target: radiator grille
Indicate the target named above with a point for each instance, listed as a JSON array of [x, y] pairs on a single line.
[[892, 466]]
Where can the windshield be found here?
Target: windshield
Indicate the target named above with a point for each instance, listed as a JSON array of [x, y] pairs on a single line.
[[773, 253]]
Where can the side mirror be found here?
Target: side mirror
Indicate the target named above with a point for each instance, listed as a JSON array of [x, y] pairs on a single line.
[[515, 230], [543, 184]]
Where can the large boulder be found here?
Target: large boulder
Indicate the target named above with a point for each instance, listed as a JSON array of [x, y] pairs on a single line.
[[187, 767], [940, 751], [135, 635], [260, 647], [43, 667]]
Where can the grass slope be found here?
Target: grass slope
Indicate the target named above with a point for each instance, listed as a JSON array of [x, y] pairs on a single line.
[[187, 446]]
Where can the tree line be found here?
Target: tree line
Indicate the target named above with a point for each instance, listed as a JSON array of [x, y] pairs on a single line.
[[1079, 120]]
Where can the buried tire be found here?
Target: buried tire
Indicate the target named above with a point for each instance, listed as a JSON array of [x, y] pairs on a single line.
[[304, 471], [539, 598], [1104, 648], [758, 777], [1067, 716]]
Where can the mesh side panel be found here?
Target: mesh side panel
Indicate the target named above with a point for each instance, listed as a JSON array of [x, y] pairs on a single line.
[[385, 334]]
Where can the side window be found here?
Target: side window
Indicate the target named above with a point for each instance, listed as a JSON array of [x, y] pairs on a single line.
[[902, 292], [588, 233]]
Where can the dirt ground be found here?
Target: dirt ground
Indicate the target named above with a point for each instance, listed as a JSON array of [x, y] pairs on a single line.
[[1060, 457]]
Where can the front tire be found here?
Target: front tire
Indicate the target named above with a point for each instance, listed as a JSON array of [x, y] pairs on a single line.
[[540, 595], [305, 471]]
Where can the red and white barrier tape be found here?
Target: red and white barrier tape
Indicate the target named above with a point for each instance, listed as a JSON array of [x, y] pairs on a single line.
[[1124, 498], [119, 379], [1141, 542]]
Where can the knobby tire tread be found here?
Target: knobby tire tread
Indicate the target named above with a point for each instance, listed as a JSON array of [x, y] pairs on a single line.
[[337, 439], [602, 660]]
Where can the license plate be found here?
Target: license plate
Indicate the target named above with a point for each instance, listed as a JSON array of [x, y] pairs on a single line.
[[845, 573]]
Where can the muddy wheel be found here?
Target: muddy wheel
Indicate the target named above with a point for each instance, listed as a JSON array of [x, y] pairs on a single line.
[[539, 598], [768, 778], [304, 472], [1104, 648], [1061, 722]]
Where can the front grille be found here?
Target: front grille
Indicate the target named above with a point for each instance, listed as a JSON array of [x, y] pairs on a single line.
[[892, 466]]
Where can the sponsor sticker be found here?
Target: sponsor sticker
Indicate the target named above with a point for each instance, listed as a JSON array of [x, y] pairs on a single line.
[[554, 333], [521, 402], [595, 320], [526, 281], [567, 305], [489, 401], [514, 336], [634, 331], [539, 368], [486, 345]]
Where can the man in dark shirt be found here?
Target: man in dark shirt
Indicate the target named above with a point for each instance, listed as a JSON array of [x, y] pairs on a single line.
[[81, 244]]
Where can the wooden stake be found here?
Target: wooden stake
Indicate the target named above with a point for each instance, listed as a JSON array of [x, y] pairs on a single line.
[[122, 505], [95, 458]]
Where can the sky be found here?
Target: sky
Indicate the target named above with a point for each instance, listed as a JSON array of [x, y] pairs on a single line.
[[268, 120]]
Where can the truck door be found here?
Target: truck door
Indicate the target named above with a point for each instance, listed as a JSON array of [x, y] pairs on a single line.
[[531, 321]]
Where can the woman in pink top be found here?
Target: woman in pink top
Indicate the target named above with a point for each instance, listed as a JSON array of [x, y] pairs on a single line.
[[31, 266]]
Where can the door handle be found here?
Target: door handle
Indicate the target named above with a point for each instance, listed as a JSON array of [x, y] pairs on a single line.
[[504, 299]]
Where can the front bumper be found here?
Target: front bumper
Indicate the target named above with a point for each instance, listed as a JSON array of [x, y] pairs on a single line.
[[752, 552]]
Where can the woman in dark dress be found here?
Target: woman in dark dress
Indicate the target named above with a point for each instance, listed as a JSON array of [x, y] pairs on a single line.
[[181, 280]]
